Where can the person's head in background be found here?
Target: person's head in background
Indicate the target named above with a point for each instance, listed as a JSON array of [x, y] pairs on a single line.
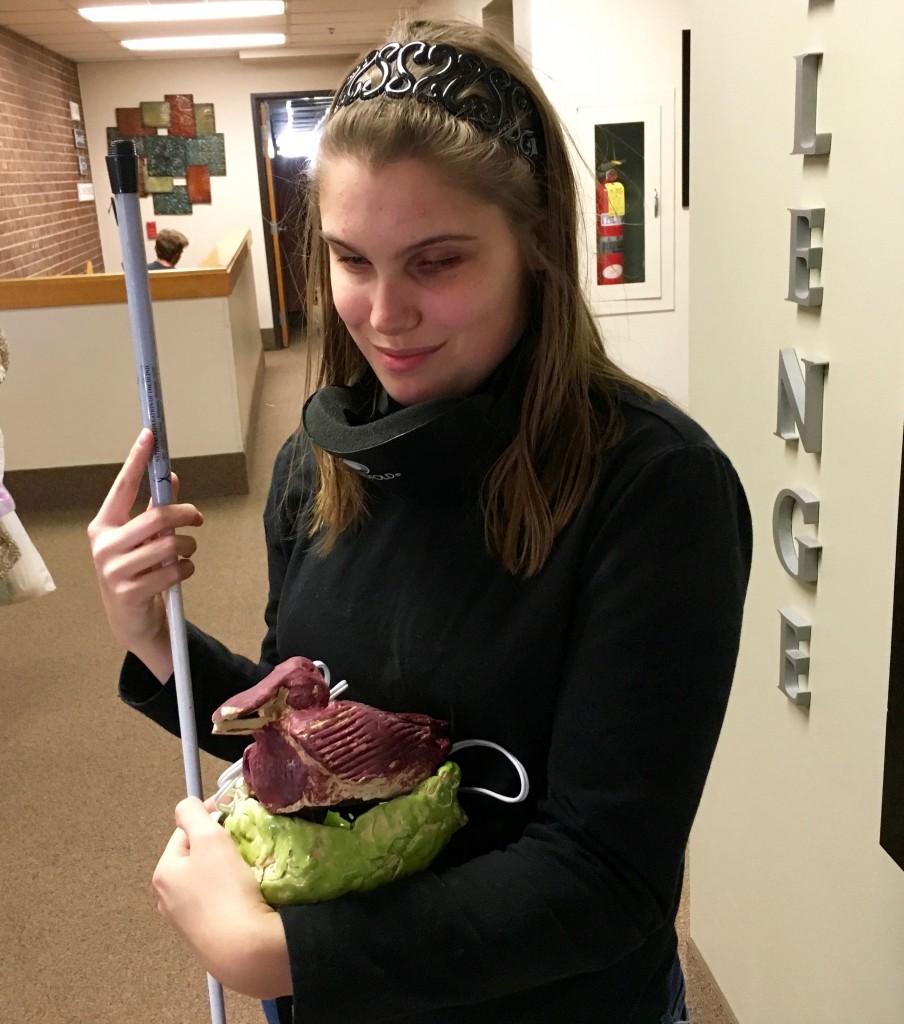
[[483, 131], [169, 247]]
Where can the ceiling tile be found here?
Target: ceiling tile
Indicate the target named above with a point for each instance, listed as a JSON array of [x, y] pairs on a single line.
[[55, 25]]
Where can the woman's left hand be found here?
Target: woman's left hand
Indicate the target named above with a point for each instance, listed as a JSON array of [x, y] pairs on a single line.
[[211, 897]]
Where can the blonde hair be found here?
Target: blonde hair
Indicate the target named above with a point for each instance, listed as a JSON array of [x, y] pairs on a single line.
[[567, 415]]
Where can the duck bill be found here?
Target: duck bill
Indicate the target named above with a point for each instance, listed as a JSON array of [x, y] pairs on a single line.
[[239, 726]]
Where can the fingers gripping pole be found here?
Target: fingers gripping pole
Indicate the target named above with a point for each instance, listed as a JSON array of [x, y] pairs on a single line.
[[122, 164]]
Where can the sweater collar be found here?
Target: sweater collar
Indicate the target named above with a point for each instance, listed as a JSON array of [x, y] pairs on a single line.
[[439, 449]]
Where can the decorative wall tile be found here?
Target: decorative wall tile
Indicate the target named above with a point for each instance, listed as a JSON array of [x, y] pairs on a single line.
[[207, 149], [198, 183], [166, 155], [174, 139], [182, 114], [205, 122], [155, 114], [172, 202], [158, 184], [129, 123]]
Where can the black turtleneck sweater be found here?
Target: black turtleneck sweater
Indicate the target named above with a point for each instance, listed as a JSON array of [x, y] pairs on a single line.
[[607, 674]]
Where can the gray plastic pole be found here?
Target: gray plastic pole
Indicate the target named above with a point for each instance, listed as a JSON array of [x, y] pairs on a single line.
[[122, 165]]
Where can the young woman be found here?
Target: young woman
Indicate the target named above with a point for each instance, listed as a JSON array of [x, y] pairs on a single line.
[[482, 519]]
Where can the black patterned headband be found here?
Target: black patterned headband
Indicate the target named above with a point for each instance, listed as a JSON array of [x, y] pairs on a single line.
[[461, 83]]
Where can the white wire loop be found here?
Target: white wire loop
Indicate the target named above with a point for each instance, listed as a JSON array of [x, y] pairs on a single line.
[[340, 687], [519, 768], [222, 800]]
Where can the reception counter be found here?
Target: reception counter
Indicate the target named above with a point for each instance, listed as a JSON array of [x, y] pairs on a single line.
[[69, 407]]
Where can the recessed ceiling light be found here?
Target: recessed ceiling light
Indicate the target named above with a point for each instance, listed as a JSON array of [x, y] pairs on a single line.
[[232, 42], [214, 10]]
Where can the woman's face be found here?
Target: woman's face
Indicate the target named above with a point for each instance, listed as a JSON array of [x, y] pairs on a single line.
[[430, 283]]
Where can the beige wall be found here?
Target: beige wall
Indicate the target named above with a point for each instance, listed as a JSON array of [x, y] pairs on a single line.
[[586, 54], [469, 9], [796, 908], [229, 84]]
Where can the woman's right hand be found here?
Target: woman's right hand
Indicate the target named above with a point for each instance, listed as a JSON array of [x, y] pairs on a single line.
[[138, 558]]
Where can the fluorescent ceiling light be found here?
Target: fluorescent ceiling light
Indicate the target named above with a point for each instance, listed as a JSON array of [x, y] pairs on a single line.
[[215, 10], [206, 42]]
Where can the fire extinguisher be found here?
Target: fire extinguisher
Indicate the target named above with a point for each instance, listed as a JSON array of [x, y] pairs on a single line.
[[610, 229]]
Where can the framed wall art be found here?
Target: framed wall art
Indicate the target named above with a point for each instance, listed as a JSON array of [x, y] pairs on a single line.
[[179, 149]]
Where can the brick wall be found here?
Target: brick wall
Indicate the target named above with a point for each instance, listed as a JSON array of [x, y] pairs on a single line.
[[44, 229]]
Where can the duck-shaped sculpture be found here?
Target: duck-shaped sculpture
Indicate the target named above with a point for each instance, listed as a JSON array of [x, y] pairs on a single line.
[[309, 751]]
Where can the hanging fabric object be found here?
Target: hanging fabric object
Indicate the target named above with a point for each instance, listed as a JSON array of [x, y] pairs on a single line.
[[9, 552], [23, 574]]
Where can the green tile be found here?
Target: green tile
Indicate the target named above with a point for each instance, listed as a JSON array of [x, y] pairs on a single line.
[[209, 150], [166, 155], [155, 115], [172, 202], [205, 121], [161, 183]]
